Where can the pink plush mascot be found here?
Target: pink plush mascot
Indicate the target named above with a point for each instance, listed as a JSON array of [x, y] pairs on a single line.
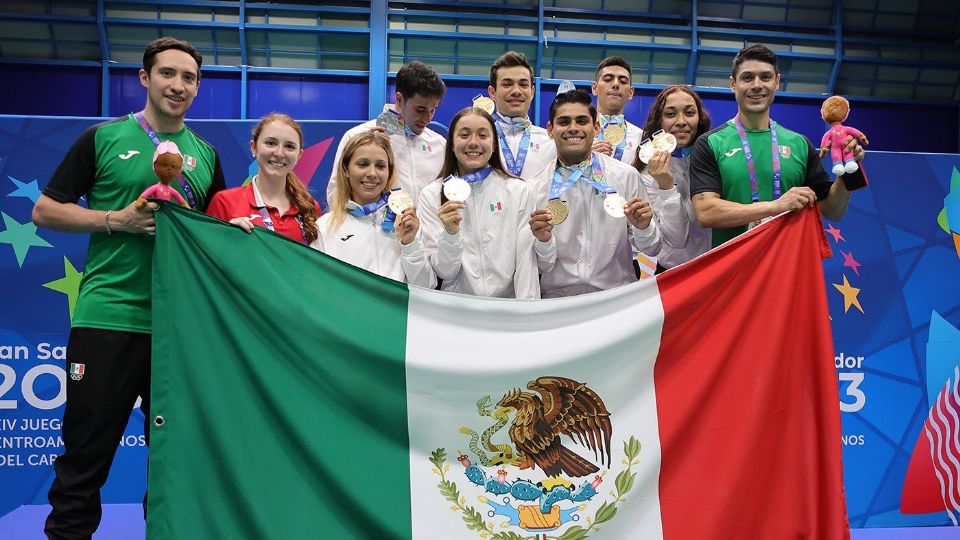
[[167, 165], [834, 111]]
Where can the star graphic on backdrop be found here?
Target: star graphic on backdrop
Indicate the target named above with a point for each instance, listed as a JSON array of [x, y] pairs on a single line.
[[21, 236], [69, 284], [27, 190], [835, 233], [850, 295], [848, 260]]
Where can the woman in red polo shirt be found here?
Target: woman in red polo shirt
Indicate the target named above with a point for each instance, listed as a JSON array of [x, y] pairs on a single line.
[[275, 198]]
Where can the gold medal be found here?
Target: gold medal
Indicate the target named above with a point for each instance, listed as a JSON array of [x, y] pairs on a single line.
[[558, 211], [484, 103], [614, 134]]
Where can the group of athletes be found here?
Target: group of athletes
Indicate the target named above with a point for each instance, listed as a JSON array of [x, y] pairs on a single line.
[[500, 207]]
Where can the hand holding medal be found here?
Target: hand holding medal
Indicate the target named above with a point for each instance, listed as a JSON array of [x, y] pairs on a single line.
[[407, 225], [614, 205], [456, 189], [399, 201], [390, 123], [541, 224], [659, 168], [558, 211], [638, 212], [660, 142]]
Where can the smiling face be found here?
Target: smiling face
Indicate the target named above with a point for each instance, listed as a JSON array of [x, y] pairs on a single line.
[[680, 117], [417, 110], [513, 92], [472, 142], [754, 86], [573, 130], [613, 89], [277, 149], [171, 85], [369, 172], [167, 167]]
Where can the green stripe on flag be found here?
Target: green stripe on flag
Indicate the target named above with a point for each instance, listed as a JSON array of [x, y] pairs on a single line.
[[271, 437]]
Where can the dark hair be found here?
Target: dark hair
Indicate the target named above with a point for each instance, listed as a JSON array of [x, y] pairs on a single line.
[[294, 188], [159, 45], [573, 96], [450, 164], [655, 116], [758, 52], [612, 61], [419, 78], [509, 59]]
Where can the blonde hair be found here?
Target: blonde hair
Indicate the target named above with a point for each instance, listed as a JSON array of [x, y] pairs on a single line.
[[294, 188], [344, 193]]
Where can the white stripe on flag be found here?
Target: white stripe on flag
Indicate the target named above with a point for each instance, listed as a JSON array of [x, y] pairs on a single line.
[[460, 349]]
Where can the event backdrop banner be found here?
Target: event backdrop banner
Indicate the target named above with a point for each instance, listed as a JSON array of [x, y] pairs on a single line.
[[892, 289]]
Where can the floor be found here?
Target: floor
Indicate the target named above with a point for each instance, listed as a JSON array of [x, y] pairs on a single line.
[[125, 522]]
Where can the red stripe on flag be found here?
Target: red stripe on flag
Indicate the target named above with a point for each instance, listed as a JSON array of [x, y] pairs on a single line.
[[747, 394]]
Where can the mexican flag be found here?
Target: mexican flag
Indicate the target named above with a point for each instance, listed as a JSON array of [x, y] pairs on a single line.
[[295, 396]]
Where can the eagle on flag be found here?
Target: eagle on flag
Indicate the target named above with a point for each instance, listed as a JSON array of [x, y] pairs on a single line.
[[563, 407]]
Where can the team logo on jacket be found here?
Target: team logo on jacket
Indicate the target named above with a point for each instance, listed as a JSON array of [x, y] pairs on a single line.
[[785, 152], [426, 147], [496, 208], [541, 472], [189, 162], [77, 370]]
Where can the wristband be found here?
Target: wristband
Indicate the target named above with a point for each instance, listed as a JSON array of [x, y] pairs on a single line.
[[106, 222]]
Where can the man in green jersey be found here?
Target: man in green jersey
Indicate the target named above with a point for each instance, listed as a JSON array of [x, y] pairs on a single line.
[[737, 180], [108, 354]]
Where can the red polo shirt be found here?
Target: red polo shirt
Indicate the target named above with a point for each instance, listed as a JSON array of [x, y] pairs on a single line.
[[242, 202]]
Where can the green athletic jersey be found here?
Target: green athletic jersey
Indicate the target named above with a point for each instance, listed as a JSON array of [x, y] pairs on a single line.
[[112, 164], [718, 165]]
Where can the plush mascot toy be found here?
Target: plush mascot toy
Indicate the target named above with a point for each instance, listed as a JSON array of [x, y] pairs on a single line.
[[834, 111], [167, 165]]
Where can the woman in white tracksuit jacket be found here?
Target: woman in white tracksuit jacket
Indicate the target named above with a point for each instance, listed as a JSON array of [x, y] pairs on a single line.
[[359, 227], [481, 246]]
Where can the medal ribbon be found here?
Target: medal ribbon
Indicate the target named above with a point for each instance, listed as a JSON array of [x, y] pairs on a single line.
[[559, 185], [187, 190], [265, 214], [364, 210], [606, 120], [406, 129], [513, 125], [752, 167], [475, 176]]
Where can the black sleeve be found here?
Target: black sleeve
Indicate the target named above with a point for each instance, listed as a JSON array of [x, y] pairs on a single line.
[[76, 172], [704, 172], [816, 177], [217, 182]]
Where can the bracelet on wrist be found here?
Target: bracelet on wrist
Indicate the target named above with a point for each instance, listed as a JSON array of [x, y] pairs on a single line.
[[106, 222]]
